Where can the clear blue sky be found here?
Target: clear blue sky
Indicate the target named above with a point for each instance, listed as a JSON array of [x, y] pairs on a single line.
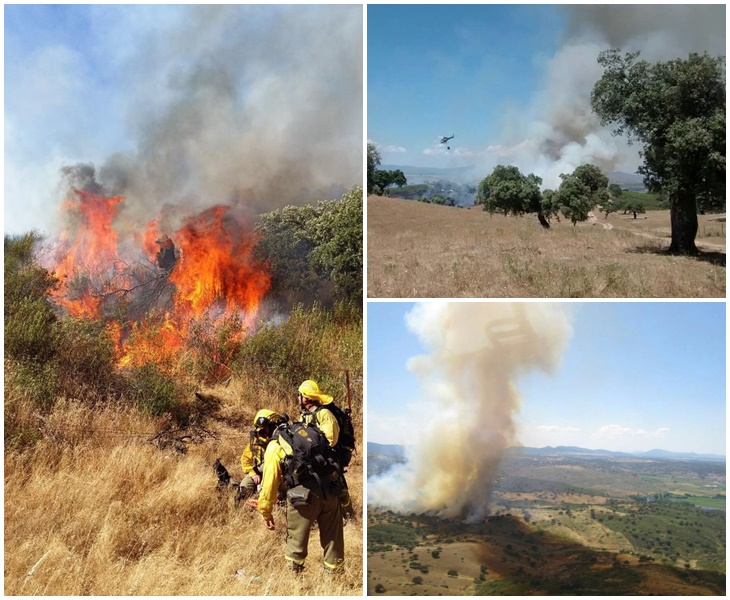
[[512, 82], [635, 376], [438, 70]]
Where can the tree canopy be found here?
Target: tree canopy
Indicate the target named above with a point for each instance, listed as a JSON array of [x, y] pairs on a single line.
[[676, 110], [314, 251], [508, 191], [580, 191]]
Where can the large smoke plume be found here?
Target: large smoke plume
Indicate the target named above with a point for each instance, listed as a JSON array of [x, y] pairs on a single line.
[[255, 106], [561, 131], [476, 353]]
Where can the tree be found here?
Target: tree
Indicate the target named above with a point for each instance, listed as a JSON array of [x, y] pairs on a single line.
[[615, 190], [635, 207], [550, 207], [373, 163], [383, 179], [311, 247], [507, 190], [581, 191], [676, 110]]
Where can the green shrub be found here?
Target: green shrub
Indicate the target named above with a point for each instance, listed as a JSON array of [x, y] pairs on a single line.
[[152, 390]]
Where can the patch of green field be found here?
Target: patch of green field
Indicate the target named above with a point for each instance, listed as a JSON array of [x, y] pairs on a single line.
[[671, 531], [706, 502], [650, 201]]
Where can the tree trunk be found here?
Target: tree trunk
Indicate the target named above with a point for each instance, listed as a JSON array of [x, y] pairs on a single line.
[[543, 221], [684, 223]]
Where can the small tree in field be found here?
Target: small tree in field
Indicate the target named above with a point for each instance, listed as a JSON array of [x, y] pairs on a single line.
[[508, 191], [615, 190], [635, 207], [581, 191], [676, 109]]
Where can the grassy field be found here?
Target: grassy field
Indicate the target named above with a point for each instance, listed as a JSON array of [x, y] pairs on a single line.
[[93, 509], [418, 250], [102, 498]]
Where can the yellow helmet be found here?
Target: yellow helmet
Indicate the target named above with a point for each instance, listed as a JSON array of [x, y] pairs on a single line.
[[265, 417], [310, 389]]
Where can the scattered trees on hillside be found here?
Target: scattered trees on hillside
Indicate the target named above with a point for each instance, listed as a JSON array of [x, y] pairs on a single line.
[[676, 110], [508, 191]]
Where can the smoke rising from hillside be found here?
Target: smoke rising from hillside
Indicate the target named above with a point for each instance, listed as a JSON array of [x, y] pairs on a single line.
[[561, 131], [476, 353], [257, 106]]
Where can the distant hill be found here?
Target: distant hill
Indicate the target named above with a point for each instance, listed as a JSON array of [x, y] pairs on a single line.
[[419, 175], [396, 451]]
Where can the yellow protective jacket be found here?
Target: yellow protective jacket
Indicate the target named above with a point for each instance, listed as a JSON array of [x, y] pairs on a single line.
[[253, 456], [326, 422], [271, 478]]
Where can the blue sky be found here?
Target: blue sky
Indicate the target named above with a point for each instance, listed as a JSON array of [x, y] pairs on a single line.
[[512, 82], [190, 101], [635, 376]]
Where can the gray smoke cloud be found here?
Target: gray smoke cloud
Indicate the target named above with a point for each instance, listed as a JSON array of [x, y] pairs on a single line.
[[477, 351], [256, 106], [562, 131]]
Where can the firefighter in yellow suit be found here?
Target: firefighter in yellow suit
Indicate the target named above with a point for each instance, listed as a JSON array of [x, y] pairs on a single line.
[[252, 459], [311, 399], [305, 504]]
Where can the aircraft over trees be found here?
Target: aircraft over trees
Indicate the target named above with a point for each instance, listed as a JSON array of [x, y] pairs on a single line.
[[676, 109]]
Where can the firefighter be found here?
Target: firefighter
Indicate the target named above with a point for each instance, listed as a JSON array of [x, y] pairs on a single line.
[[313, 404], [252, 459], [308, 499]]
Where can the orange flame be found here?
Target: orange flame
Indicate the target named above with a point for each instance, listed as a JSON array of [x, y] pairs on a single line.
[[212, 273]]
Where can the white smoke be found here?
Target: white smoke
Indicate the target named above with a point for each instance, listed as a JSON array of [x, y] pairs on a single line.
[[477, 352], [561, 132], [236, 104]]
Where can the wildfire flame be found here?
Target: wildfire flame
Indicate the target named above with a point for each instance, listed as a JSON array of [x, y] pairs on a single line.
[[204, 270]]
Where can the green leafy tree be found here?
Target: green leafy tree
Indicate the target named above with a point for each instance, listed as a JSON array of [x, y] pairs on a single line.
[[384, 179], [615, 190], [580, 191], [508, 191], [549, 203], [373, 163], [676, 110], [313, 248], [635, 207]]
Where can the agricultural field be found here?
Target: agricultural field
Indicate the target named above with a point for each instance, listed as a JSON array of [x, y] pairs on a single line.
[[418, 250], [565, 525]]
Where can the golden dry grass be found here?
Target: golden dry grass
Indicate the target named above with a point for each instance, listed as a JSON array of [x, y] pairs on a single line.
[[93, 509], [418, 250]]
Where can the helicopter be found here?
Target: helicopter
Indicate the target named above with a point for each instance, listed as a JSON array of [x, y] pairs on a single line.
[[445, 139]]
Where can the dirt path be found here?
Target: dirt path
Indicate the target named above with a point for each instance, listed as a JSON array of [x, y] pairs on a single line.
[[699, 243]]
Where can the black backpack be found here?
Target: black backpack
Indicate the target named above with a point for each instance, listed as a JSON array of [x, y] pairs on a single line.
[[309, 456], [345, 445]]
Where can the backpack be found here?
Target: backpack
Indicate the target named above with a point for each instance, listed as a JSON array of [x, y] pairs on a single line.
[[346, 441], [309, 456]]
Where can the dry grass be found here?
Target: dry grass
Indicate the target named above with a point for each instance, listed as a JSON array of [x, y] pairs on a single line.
[[418, 250], [93, 509]]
